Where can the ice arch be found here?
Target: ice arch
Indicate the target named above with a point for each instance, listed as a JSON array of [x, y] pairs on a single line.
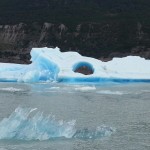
[[52, 65], [84, 68]]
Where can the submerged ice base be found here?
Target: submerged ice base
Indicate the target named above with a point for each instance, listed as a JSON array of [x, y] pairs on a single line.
[[51, 65]]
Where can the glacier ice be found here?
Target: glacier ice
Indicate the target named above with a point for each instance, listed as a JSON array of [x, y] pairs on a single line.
[[23, 125], [52, 65]]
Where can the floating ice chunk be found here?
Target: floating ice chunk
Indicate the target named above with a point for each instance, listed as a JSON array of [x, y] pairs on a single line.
[[22, 125], [85, 88], [52, 65], [11, 89], [108, 92]]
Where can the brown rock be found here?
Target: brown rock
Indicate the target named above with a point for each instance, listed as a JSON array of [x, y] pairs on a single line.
[[86, 70]]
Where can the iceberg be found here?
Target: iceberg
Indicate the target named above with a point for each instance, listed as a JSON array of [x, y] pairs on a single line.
[[22, 124], [52, 65]]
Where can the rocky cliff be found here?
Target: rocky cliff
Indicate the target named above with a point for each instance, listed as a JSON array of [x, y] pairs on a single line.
[[97, 28], [97, 40]]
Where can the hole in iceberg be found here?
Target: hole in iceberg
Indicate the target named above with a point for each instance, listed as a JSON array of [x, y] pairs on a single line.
[[83, 68]]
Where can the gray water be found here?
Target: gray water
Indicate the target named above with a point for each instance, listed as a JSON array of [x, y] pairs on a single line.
[[120, 111]]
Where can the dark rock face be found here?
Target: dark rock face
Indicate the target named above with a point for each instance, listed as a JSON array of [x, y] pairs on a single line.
[[97, 28], [90, 39]]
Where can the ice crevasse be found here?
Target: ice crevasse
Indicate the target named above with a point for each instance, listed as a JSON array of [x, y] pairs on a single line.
[[50, 65]]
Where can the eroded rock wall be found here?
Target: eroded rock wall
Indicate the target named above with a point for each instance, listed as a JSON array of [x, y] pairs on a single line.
[[99, 40]]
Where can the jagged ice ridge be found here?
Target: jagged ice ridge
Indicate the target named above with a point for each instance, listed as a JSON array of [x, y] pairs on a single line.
[[22, 125], [55, 66]]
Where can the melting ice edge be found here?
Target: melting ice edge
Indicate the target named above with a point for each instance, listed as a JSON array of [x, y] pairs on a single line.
[[52, 65]]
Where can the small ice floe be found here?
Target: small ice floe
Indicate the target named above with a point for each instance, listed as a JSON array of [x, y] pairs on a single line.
[[108, 92], [85, 88], [54, 88], [11, 89], [26, 124]]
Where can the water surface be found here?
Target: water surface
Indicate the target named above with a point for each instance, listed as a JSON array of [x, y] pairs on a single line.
[[74, 117]]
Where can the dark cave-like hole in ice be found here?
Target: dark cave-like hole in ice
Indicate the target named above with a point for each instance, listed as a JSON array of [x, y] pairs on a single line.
[[83, 68]]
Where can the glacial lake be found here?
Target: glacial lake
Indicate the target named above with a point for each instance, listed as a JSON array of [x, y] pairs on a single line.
[[54, 116]]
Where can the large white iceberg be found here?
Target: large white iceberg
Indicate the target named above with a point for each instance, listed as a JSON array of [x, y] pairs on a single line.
[[52, 65]]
